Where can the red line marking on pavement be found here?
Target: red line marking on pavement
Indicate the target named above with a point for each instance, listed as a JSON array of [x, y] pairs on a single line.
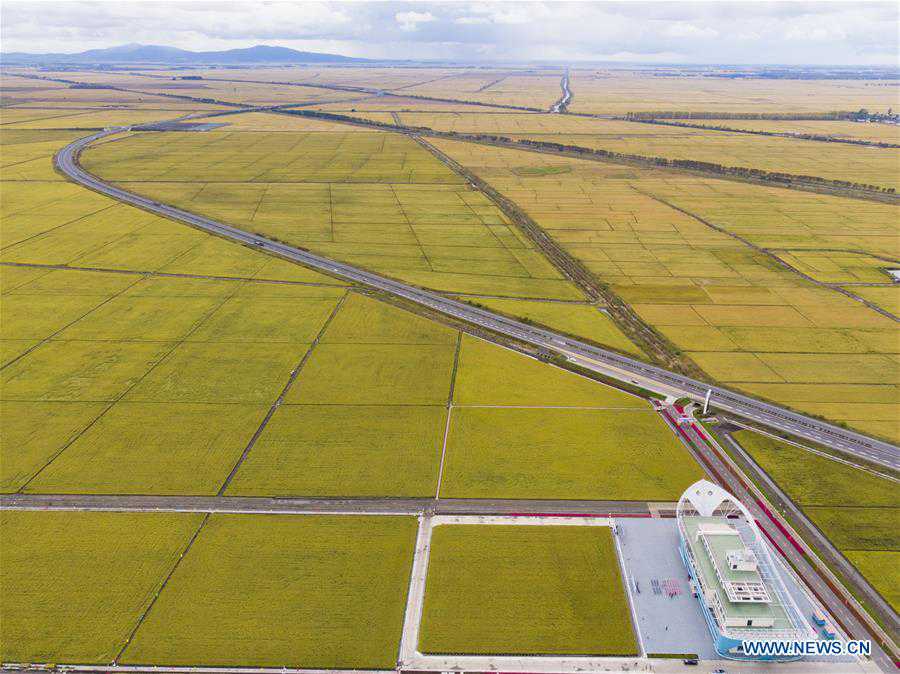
[[781, 527], [771, 540], [699, 430], [558, 515]]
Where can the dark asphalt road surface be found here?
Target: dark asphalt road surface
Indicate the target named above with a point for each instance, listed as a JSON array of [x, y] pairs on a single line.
[[374, 506]]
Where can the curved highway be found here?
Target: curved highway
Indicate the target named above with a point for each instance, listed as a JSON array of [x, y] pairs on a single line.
[[605, 362]]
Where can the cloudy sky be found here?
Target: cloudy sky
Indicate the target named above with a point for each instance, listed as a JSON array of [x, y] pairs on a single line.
[[823, 33]]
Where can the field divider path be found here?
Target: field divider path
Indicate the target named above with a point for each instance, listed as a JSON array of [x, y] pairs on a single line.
[[52, 229], [162, 587], [73, 322], [281, 396], [769, 254], [823, 138], [647, 339], [312, 505], [112, 403], [453, 372], [569, 350], [149, 274], [789, 181]]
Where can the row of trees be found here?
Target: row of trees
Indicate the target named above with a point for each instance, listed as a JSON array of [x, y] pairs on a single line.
[[775, 177], [758, 132], [781, 116], [706, 167]]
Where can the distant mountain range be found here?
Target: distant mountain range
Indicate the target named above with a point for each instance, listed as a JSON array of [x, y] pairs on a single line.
[[140, 53]]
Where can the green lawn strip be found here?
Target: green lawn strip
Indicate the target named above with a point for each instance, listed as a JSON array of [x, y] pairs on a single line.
[[491, 375], [525, 590], [74, 584], [284, 591], [564, 454], [345, 450], [153, 448]]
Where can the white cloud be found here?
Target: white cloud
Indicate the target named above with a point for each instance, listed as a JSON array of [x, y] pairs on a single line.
[[410, 21], [686, 29], [811, 32]]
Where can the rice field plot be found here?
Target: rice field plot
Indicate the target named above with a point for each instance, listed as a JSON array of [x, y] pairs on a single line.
[[80, 371], [859, 528], [371, 396], [75, 584], [383, 106], [73, 226], [886, 297], [576, 319], [345, 450], [812, 480], [541, 126], [372, 374], [267, 122], [379, 77], [267, 157], [35, 432], [838, 266], [546, 453], [153, 449], [533, 89], [219, 372], [70, 96], [519, 427], [857, 510], [28, 155], [86, 119], [365, 321], [284, 591], [606, 91], [375, 200], [251, 93], [490, 375], [784, 219], [877, 133], [880, 567], [525, 590], [834, 161], [741, 316], [115, 399]]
